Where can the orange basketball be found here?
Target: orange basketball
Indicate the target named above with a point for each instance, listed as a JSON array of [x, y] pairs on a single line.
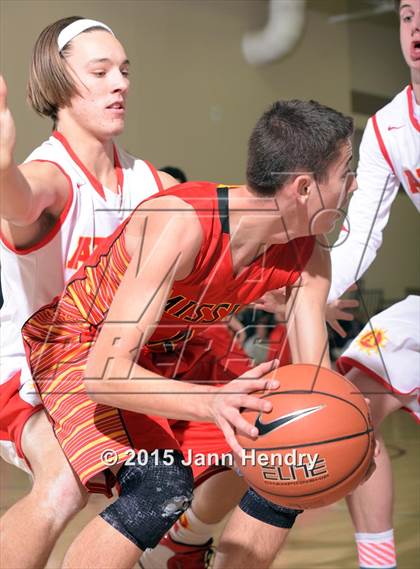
[[315, 445]]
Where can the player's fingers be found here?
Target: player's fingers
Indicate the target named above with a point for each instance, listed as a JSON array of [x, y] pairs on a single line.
[[279, 295], [255, 403], [336, 326], [229, 434], [3, 94], [243, 427], [249, 385], [261, 369], [349, 303], [352, 287], [367, 400], [345, 316]]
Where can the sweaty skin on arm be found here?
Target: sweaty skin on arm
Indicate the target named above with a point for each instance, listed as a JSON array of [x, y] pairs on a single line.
[[162, 252]]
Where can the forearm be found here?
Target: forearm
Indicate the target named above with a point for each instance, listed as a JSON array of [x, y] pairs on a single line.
[[367, 216], [149, 393], [306, 309], [349, 263], [309, 344], [16, 201]]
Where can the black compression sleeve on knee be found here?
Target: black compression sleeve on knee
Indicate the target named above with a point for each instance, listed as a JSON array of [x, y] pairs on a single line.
[[151, 500], [261, 509]]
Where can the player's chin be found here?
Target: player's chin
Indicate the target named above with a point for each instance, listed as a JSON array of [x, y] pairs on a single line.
[[117, 127], [333, 224], [325, 222], [415, 65]]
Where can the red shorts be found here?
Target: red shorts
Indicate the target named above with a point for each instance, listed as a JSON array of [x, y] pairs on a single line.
[[90, 434], [14, 413], [215, 357]]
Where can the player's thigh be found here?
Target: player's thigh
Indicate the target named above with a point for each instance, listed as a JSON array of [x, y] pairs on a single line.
[[43, 452], [227, 485], [383, 402]]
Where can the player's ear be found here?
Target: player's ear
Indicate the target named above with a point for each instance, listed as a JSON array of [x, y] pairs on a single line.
[[303, 186]]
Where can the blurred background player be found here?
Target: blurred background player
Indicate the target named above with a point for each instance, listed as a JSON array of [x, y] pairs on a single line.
[[71, 193], [176, 173]]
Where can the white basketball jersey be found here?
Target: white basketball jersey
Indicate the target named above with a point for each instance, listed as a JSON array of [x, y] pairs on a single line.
[[33, 277], [397, 131], [389, 155]]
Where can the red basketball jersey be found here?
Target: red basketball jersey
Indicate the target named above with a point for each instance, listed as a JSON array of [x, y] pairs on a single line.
[[59, 336], [209, 294]]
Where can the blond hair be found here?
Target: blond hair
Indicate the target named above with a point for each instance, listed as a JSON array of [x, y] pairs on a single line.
[[50, 85]]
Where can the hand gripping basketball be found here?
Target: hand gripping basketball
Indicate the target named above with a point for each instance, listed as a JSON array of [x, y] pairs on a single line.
[[234, 396]]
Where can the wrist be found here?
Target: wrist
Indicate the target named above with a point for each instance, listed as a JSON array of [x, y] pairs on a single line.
[[7, 163], [206, 403]]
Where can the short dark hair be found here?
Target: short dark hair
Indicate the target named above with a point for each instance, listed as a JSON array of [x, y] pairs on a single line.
[[294, 136]]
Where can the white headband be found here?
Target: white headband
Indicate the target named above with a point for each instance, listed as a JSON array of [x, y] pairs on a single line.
[[76, 28]]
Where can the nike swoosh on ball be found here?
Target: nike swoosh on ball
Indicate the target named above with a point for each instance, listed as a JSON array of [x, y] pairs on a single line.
[[265, 428]]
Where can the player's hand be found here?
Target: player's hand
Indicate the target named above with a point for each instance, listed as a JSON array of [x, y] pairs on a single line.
[[338, 310], [237, 330], [274, 301], [235, 395], [7, 129]]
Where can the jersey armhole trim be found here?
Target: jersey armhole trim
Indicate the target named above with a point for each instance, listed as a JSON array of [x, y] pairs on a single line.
[[381, 143], [156, 176], [57, 226]]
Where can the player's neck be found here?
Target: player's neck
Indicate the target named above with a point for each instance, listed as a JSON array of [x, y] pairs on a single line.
[[96, 155], [256, 222]]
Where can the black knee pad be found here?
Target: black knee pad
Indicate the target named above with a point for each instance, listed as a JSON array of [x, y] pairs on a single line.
[[261, 509], [151, 500]]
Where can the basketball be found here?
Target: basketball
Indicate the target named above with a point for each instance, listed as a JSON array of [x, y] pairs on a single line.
[[315, 445]]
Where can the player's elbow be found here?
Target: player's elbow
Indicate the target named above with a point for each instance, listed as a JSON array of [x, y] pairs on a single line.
[[101, 374], [94, 378], [93, 390]]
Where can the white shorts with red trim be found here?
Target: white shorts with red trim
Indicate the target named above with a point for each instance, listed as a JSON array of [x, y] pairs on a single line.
[[19, 400], [388, 350]]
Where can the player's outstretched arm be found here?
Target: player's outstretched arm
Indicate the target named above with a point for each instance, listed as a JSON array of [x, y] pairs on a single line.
[[307, 332], [28, 190], [367, 216]]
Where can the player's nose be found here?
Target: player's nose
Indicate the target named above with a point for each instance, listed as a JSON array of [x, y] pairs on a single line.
[[416, 21], [353, 185]]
